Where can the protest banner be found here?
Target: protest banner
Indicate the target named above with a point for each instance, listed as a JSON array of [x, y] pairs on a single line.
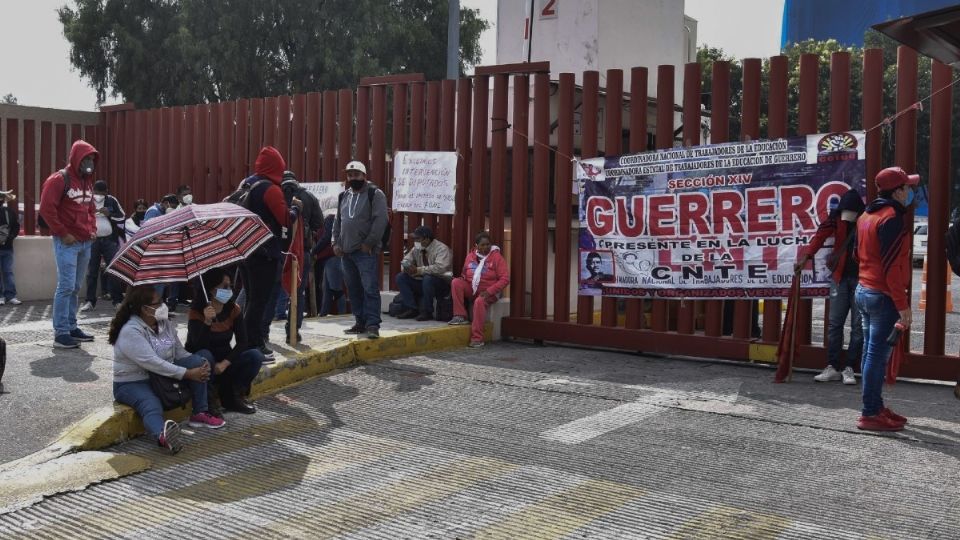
[[325, 192], [714, 221], [425, 182]]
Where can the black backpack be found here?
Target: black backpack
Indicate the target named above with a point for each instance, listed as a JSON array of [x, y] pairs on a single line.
[[952, 241], [241, 196], [42, 223], [371, 193]]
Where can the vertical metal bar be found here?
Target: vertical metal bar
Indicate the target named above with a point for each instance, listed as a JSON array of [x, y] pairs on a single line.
[[241, 161], [76, 133], [189, 145], [175, 135], [448, 112], [478, 162], [379, 140], [873, 114], [776, 128], [226, 149], [311, 172], [498, 156], [398, 236], [256, 131], [749, 130], [200, 161], [155, 124], [46, 153], [417, 94], [518, 199], [464, 100], [613, 146], [589, 120], [164, 121], [905, 127], [329, 136], [660, 318], [807, 124], [686, 312], [939, 205], [29, 175], [213, 153], [283, 128], [839, 121], [562, 180], [637, 143], [541, 194], [345, 136], [363, 124], [61, 156], [432, 135], [270, 122], [13, 154], [298, 130]]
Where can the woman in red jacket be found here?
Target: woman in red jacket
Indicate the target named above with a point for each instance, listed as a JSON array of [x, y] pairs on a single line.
[[485, 275]]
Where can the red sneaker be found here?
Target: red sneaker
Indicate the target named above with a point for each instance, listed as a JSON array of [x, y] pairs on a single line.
[[893, 416], [206, 420], [878, 422]]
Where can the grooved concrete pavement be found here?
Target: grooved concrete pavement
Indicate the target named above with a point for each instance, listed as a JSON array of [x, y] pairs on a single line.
[[493, 444]]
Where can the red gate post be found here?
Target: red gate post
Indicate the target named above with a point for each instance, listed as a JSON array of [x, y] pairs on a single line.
[[613, 146], [661, 308], [563, 179], [227, 140], [719, 133], [873, 114], [839, 121], [270, 122], [807, 124], [776, 128], [638, 143], [691, 137], [460, 234], [212, 184], [153, 155], [241, 161], [938, 200], [311, 172], [498, 156], [448, 115], [541, 195], [905, 151], [398, 236], [589, 120], [30, 175], [13, 151], [328, 136], [433, 137], [297, 145], [518, 211], [417, 91], [743, 315], [363, 124], [345, 134], [165, 146], [256, 131], [283, 128], [478, 155], [46, 164]]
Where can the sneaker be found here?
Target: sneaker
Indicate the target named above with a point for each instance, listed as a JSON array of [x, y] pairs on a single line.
[[458, 321], [829, 373], [206, 420], [64, 341], [80, 335], [476, 344], [170, 438], [848, 376], [268, 353], [14, 301], [2, 301], [408, 314], [373, 332], [902, 420], [424, 317], [878, 422], [355, 329], [87, 306]]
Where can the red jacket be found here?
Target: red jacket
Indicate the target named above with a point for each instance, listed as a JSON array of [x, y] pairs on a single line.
[[837, 228], [75, 213], [496, 273], [883, 248]]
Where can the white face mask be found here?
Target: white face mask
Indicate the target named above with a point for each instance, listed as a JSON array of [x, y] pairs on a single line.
[[418, 245], [161, 313], [169, 210], [848, 215], [99, 198], [188, 199]]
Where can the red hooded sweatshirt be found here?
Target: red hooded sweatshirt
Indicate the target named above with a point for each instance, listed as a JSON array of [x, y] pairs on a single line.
[[883, 247], [270, 164], [495, 276], [73, 214]]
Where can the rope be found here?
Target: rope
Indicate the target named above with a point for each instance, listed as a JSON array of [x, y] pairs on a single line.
[[918, 106]]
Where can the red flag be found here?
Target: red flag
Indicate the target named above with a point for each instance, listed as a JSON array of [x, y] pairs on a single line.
[[896, 359], [787, 348], [295, 253]]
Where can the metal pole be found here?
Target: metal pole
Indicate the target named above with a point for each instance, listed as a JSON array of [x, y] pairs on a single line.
[[453, 40]]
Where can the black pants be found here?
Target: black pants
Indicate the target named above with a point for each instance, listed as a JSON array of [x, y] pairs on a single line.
[[259, 276], [104, 248]]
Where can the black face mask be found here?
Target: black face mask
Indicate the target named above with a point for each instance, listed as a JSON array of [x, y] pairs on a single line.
[[139, 215], [357, 185], [86, 166]]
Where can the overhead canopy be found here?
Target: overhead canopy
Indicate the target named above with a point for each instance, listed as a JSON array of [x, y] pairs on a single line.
[[935, 33]]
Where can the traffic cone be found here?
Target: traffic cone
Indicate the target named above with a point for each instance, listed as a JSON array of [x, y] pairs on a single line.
[[923, 288]]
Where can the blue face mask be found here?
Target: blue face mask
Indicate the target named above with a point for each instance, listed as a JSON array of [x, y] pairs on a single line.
[[909, 197], [223, 295]]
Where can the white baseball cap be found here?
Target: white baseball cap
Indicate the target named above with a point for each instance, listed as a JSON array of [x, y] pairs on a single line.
[[356, 166]]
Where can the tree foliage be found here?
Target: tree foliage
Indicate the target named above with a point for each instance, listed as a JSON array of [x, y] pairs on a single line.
[[167, 52], [9, 99]]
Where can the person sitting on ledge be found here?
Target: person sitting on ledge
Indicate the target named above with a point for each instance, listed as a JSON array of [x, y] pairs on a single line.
[[485, 275], [213, 326], [426, 275], [145, 341]]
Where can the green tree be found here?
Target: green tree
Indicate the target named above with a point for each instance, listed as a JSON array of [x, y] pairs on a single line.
[[163, 52], [9, 99]]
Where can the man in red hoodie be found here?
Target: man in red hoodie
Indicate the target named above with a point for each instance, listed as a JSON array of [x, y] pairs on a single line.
[[66, 205], [262, 269], [883, 248]]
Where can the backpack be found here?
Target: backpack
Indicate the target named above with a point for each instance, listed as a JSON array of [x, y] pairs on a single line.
[[42, 223], [952, 241], [371, 193], [241, 196]]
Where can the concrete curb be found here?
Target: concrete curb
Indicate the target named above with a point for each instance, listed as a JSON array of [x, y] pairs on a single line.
[[116, 423]]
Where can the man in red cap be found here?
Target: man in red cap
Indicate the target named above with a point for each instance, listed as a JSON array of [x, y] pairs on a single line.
[[883, 247]]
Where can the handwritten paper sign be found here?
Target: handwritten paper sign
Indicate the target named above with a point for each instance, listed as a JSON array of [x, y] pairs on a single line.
[[325, 192], [425, 182]]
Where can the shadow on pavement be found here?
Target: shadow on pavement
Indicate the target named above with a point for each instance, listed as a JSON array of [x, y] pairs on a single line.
[[71, 366], [408, 378]]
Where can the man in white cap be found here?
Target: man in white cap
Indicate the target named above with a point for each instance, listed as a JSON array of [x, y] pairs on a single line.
[[358, 233]]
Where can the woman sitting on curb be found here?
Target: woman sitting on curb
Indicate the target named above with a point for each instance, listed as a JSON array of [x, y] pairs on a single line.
[[145, 341], [212, 327], [485, 275]]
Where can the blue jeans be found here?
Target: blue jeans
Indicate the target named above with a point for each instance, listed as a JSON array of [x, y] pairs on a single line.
[[270, 308], [842, 301], [879, 316], [332, 287], [102, 248], [360, 272], [140, 396], [426, 289], [71, 263], [9, 289]]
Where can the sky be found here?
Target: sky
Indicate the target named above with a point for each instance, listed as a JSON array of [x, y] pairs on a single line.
[[36, 66]]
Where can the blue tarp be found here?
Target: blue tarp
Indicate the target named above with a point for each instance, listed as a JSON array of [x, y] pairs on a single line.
[[845, 21]]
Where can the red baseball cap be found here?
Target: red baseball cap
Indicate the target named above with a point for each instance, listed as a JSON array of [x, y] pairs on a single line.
[[893, 177]]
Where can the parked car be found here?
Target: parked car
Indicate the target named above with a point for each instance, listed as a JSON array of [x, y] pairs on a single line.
[[919, 244]]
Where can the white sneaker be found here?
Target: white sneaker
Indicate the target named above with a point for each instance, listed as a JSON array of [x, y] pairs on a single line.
[[828, 374], [14, 301], [87, 306], [848, 376], [2, 301]]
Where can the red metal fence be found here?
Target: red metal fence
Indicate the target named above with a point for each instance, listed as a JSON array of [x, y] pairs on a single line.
[[212, 146]]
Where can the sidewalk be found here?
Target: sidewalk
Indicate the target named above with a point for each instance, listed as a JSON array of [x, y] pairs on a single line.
[[46, 392]]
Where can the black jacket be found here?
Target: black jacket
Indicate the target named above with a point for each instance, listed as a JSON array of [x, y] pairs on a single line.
[[9, 216], [311, 215]]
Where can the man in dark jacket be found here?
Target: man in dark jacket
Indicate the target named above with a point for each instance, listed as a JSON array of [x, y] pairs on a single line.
[[883, 248], [263, 267], [312, 218], [841, 225], [9, 229], [110, 219]]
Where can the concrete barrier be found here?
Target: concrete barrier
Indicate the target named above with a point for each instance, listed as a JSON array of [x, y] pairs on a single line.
[[34, 270]]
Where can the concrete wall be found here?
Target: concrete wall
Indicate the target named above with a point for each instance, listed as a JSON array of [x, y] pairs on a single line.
[[34, 270]]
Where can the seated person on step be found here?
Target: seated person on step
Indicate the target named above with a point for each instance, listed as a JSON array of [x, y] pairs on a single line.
[[145, 341], [485, 275], [214, 326], [426, 275]]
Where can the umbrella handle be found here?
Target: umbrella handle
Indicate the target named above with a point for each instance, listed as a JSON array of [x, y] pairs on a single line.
[[186, 234]]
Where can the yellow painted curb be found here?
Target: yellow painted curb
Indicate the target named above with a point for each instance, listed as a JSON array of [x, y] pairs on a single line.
[[763, 353]]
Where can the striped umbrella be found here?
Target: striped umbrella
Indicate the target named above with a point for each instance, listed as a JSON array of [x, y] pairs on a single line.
[[185, 243]]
